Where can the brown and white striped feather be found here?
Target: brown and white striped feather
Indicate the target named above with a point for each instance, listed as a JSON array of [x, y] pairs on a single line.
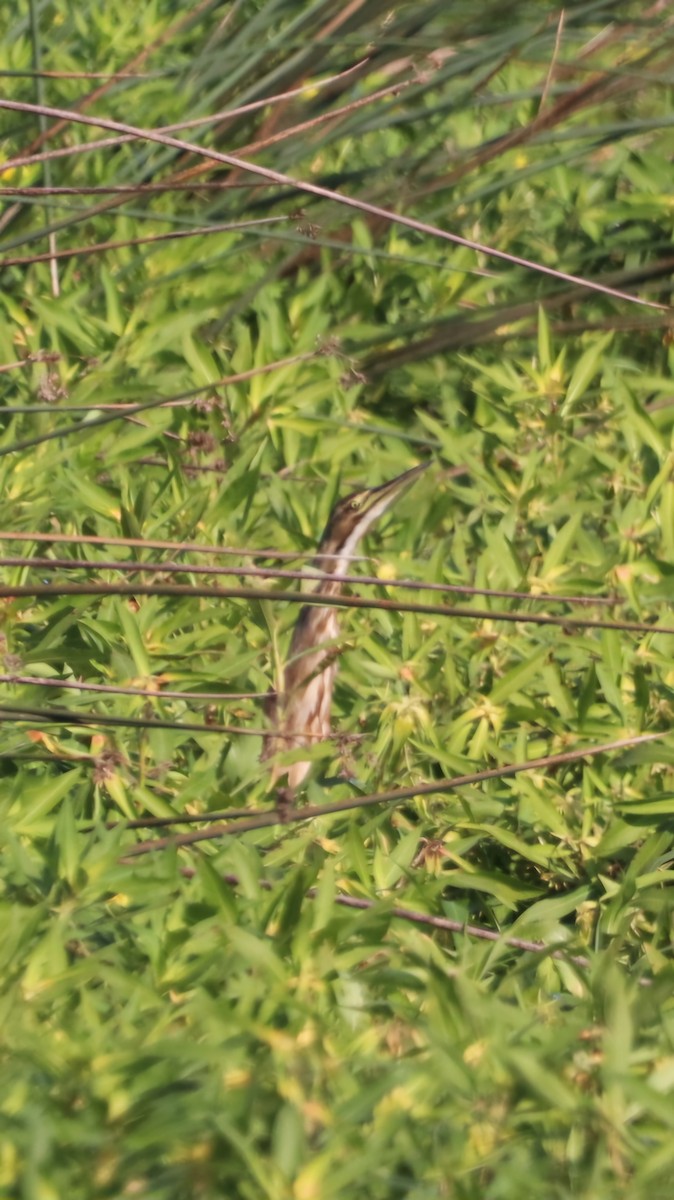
[[301, 713]]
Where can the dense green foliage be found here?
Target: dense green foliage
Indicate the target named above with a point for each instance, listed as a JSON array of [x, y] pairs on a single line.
[[165, 1033]]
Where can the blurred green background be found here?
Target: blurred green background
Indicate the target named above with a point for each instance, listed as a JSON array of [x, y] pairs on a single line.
[[169, 1036]]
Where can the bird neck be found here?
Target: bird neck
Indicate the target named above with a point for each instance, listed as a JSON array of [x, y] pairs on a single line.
[[335, 560], [329, 586]]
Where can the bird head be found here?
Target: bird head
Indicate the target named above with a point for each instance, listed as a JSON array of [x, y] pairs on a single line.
[[351, 518]]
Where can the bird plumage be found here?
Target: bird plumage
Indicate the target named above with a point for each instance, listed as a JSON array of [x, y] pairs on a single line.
[[300, 712]]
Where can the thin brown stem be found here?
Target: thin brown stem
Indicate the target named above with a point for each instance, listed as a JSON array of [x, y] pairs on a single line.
[[157, 402], [418, 585], [22, 260], [392, 798], [53, 591], [421, 918], [313, 189], [75, 539], [109, 689]]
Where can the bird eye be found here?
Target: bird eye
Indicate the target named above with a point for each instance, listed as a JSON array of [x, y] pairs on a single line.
[[355, 504]]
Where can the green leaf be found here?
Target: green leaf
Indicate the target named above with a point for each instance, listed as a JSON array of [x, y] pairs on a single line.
[[41, 798], [588, 366]]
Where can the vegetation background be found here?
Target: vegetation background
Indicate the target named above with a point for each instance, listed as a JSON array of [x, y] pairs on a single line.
[[257, 1015]]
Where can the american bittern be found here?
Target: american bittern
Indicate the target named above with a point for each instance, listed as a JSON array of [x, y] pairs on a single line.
[[301, 711]]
